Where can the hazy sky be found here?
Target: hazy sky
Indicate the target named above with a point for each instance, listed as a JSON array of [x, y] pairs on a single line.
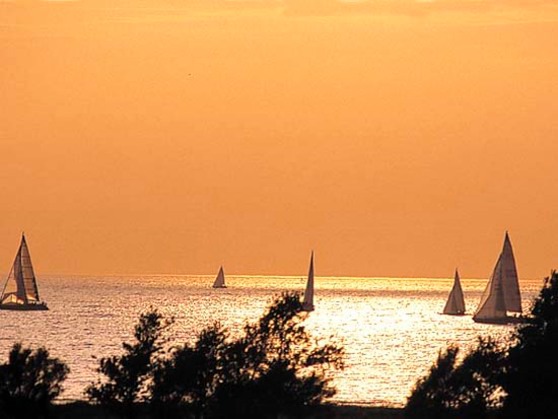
[[395, 138]]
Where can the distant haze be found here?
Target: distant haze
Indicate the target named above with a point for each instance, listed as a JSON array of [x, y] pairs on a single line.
[[394, 138]]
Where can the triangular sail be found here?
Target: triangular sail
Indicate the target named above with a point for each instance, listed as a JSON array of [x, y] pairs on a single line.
[[456, 302], [510, 282], [220, 279], [28, 276], [13, 291], [21, 285], [493, 304], [308, 301], [502, 291]]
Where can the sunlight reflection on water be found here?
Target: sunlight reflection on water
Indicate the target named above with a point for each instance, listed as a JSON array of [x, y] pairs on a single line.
[[391, 328]]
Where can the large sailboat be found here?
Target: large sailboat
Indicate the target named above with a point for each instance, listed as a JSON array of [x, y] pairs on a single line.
[[502, 295], [220, 279], [20, 291], [456, 303], [308, 301]]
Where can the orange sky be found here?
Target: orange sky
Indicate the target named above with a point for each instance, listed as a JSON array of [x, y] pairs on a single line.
[[394, 138]]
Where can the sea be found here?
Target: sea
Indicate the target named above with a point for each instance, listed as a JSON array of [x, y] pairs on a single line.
[[392, 329]]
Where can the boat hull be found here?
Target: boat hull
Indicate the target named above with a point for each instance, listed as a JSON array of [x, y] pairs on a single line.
[[501, 320], [219, 286], [24, 307]]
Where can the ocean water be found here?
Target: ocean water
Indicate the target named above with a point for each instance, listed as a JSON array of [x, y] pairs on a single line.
[[392, 329]]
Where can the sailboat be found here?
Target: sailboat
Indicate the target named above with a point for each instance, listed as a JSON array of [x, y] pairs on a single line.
[[20, 291], [308, 301], [502, 295], [456, 303], [220, 279]]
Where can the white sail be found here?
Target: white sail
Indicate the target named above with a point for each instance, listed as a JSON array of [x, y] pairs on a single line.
[[220, 279], [308, 301], [510, 282], [502, 291], [456, 302], [21, 290]]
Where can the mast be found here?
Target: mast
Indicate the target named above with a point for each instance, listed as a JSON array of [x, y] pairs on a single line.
[[308, 301]]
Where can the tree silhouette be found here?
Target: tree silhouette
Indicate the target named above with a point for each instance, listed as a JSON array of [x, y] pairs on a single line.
[[192, 374], [531, 381], [433, 394], [469, 389], [276, 367], [273, 368], [29, 381], [127, 376]]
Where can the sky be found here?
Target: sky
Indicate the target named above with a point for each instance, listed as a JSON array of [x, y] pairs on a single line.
[[394, 138]]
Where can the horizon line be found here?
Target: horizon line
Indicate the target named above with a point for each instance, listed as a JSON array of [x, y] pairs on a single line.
[[264, 276]]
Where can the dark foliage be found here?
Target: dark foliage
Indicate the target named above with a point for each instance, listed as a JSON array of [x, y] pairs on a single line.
[[432, 394], [29, 381], [127, 376], [192, 374], [273, 368], [479, 378], [469, 389], [276, 367], [532, 378]]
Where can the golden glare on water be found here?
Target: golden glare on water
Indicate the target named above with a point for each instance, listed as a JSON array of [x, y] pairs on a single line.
[[391, 329]]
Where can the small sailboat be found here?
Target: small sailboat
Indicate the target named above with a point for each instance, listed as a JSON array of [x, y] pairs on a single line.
[[308, 301], [502, 295], [456, 303], [20, 291], [220, 279]]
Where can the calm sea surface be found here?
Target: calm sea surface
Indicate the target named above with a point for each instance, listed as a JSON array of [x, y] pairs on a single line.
[[391, 328]]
